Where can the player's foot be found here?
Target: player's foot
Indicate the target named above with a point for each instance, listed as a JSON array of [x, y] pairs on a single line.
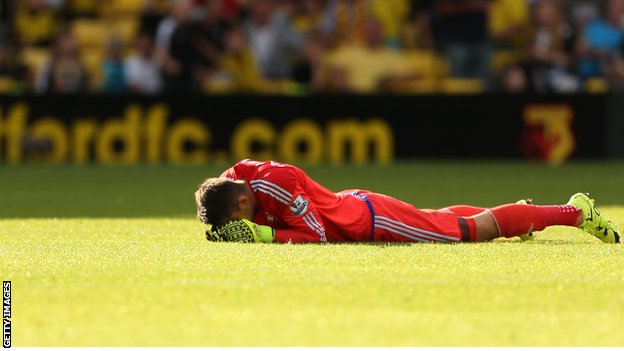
[[529, 235], [594, 222]]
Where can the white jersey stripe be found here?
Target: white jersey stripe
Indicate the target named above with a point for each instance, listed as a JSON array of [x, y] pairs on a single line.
[[311, 221], [276, 188], [268, 188], [271, 193], [314, 225], [414, 236], [406, 235], [421, 233], [314, 221], [411, 229]]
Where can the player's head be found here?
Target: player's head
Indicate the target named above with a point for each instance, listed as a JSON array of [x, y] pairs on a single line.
[[219, 200]]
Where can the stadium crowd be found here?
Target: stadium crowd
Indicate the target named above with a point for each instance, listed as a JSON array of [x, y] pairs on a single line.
[[310, 46]]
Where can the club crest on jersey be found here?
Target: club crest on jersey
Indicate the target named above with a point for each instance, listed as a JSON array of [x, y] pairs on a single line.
[[299, 206], [269, 217]]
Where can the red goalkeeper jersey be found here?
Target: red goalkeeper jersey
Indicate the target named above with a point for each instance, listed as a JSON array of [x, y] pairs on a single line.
[[300, 209]]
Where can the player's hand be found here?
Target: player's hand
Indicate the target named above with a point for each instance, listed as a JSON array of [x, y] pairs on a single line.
[[243, 230], [213, 235]]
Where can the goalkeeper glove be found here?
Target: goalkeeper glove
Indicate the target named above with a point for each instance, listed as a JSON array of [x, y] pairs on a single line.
[[212, 234], [243, 230]]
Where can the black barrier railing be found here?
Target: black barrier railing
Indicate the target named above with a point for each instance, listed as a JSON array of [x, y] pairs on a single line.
[[332, 129]]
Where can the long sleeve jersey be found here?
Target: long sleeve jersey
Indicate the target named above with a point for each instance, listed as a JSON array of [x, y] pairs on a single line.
[[299, 208]]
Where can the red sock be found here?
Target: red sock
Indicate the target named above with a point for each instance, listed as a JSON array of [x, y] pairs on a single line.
[[465, 210], [514, 219]]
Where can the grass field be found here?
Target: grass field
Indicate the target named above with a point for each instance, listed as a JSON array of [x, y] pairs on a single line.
[[114, 257]]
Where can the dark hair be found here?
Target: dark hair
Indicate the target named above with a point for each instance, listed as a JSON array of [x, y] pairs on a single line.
[[216, 199]]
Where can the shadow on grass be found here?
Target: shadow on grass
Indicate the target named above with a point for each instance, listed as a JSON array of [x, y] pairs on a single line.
[[418, 243]]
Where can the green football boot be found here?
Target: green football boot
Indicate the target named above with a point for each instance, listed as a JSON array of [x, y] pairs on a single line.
[[594, 222]]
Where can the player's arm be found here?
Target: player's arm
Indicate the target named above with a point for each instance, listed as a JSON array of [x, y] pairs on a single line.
[[244, 230], [296, 236], [289, 201], [306, 225]]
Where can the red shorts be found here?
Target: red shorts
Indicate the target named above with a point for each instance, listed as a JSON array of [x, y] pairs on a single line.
[[395, 220]]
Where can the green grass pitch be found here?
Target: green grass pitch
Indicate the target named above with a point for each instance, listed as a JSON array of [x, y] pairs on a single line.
[[113, 256]]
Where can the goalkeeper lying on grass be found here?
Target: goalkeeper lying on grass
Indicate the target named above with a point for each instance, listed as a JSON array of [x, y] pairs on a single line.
[[256, 201]]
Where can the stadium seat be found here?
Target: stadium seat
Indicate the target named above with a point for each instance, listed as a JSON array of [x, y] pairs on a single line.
[[126, 28], [424, 86], [502, 59], [93, 59], [125, 7], [426, 63], [462, 86], [90, 33], [596, 85], [6, 85], [431, 68]]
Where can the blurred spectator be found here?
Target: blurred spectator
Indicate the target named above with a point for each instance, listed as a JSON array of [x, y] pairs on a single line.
[[151, 16], [174, 47], [309, 15], [417, 31], [307, 69], [273, 39], [113, 68], [549, 63], [393, 15], [368, 68], [73, 9], [7, 15], [64, 72], [239, 69], [460, 32], [180, 12], [509, 28], [15, 77], [303, 46], [513, 80], [509, 21], [35, 23], [601, 42], [344, 21], [581, 12], [209, 33], [141, 69]]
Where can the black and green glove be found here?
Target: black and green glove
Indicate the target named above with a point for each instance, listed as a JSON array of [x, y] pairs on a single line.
[[212, 234], [241, 230]]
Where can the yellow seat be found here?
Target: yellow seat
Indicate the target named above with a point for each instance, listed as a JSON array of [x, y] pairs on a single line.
[[430, 68], [125, 7], [6, 85], [502, 59], [35, 57], [125, 28], [90, 33], [424, 86], [93, 59], [426, 63], [88, 7], [462, 86], [596, 85]]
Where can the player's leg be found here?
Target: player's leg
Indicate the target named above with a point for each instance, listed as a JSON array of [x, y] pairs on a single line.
[[467, 211], [515, 219], [464, 210], [396, 220]]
